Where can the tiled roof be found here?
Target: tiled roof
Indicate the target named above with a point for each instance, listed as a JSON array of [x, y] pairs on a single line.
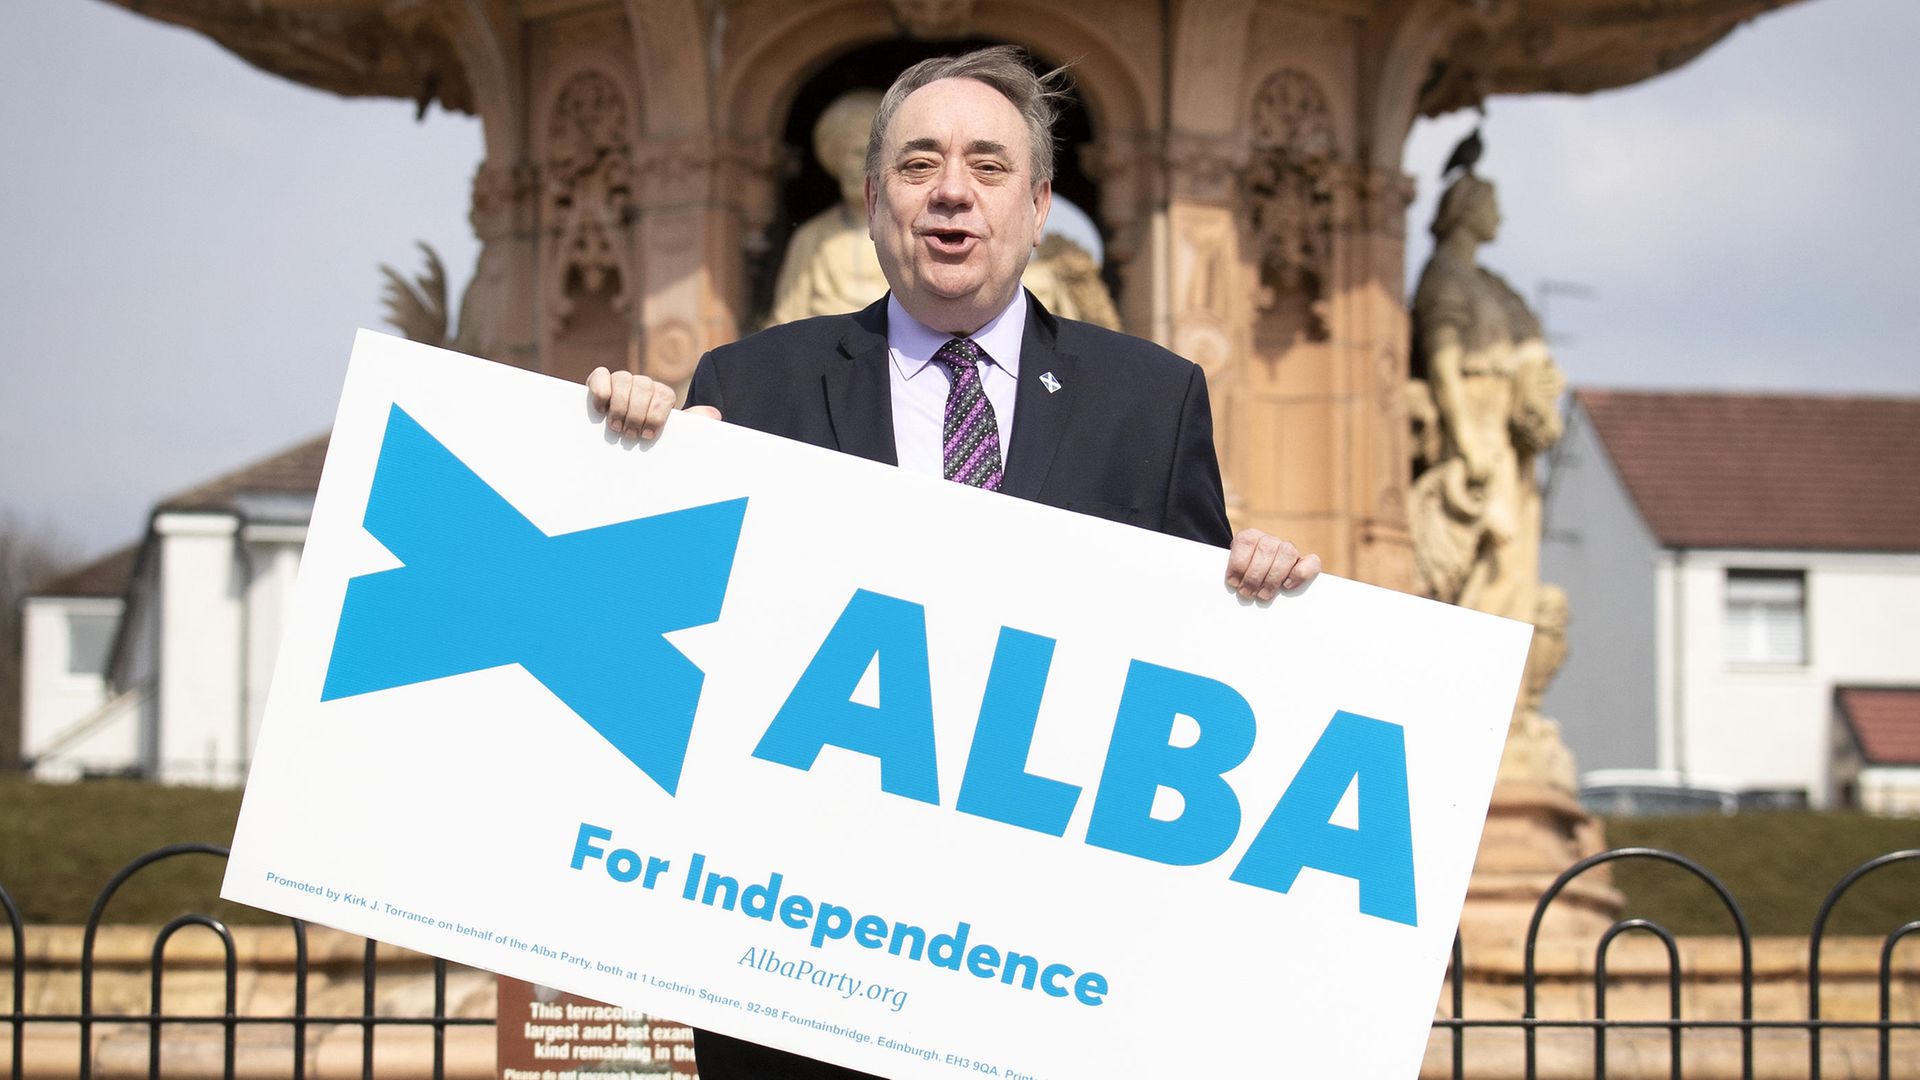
[[1885, 721], [1798, 472], [105, 576], [294, 471]]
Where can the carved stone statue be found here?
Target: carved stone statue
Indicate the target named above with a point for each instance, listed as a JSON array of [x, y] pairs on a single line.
[[1482, 413], [1064, 277], [1536, 754], [830, 268]]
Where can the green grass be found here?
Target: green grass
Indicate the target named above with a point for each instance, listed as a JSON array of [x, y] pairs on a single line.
[[1779, 866], [60, 843]]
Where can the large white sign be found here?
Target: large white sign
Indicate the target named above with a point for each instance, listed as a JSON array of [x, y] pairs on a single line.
[[920, 779]]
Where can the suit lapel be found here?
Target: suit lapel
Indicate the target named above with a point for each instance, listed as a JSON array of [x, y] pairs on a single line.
[[1039, 414], [859, 394]]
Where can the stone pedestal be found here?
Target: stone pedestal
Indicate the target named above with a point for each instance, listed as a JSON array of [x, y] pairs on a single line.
[[1493, 995], [1533, 833]]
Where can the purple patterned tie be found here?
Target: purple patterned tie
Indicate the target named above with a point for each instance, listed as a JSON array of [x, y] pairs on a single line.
[[970, 435]]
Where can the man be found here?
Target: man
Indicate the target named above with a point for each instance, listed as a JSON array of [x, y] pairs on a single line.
[[957, 372]]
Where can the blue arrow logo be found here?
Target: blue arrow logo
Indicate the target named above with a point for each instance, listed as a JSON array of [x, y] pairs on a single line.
[[583, 612]]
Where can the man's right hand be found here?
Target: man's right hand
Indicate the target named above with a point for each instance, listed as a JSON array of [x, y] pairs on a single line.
[[636, 406]]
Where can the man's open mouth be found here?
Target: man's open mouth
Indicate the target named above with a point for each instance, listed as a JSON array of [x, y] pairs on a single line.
[[954, 240]]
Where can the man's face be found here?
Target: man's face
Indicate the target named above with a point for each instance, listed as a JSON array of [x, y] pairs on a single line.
[[955, 213]]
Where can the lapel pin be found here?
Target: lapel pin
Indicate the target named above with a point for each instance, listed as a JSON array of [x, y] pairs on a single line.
[[1047, 380]]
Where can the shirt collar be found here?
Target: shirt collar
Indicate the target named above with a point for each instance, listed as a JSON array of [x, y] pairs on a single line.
[[912, 345]]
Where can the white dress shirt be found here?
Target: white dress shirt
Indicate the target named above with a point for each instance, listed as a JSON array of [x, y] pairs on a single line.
[[920, 386]]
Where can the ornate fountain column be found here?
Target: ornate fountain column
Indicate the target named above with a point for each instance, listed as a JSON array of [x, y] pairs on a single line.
[[1484, 407]]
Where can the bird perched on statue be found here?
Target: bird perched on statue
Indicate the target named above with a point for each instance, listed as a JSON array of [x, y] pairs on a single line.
[[1465, 155]]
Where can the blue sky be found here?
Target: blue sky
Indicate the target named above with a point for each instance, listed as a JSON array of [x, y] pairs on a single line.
[[191, 242]]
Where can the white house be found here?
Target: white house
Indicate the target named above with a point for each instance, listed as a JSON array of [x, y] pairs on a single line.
[[1876, 747], [1733, 562], [155, 662], [68, 714]]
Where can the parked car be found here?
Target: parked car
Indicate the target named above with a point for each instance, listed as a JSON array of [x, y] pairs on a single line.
[[1630, 792]]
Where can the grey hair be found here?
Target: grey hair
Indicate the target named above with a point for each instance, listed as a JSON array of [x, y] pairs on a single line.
[[1037, 98]]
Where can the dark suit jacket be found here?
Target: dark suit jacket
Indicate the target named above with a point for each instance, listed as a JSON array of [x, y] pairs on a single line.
[[1128, 436]]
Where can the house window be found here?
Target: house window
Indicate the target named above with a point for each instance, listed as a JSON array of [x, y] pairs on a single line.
[[1766, 617], [88, 639]]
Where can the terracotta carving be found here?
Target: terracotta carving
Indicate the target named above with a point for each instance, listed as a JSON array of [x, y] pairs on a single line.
[[1288, 191], [589, 185], [1536, 754]]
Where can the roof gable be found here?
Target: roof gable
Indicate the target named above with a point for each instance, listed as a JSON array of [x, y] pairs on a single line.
[[1795, 472], [106, 576], [1885, 722], [294, 471]]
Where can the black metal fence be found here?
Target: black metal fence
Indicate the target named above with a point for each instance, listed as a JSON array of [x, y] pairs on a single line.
[[1896, 1057], [299, 1022], [1531, 1024]]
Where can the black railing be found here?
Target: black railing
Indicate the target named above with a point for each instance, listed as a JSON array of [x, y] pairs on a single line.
[[1530, 1023], [156, 1019], [1457, 1027]]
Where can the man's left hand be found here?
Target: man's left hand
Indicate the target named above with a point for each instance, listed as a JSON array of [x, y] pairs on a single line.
[[636, 406], [1260, 565]]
